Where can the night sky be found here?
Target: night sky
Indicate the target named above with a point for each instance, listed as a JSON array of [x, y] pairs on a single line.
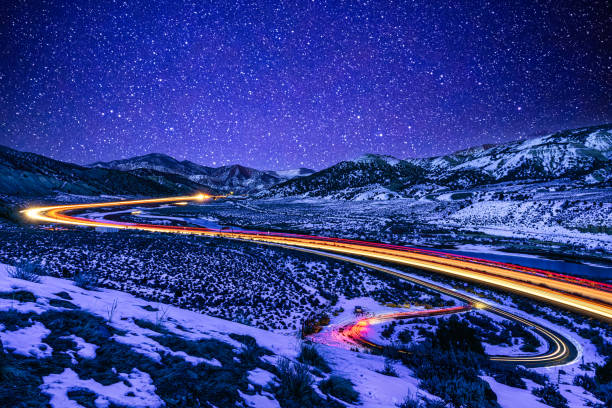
[[283, 86]]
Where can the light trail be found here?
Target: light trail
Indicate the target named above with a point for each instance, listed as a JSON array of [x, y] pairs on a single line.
[[560, 349], [585, 296], [580, 295]]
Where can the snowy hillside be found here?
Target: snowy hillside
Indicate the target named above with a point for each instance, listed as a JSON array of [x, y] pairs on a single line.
[[155, 161], [73, 347], [581, 156], [292, 173]]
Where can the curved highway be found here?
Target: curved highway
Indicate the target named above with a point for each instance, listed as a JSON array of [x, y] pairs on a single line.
[[580, 295], [560, 350]]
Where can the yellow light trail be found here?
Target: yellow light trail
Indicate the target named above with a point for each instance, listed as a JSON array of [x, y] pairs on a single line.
[[587, 300], [560, 351]]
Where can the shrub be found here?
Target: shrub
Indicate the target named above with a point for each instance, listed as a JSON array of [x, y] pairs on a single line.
[[586, 382], [13, 320], [434, 404], [64, 295], [509, 376], [19, 386], [251, 351], [62, 303], [461, 391], [389, 330], [388, 369], [603, 391], [204, 348], [147, 324], [405, 336], [19, 295], [340, 388], [550, 395], [310, 355], [411, 402], [29, 271], [82, 397], [457, 335], [314, 324], [603, 373], [295, 384], [86, 279], [392, 351]]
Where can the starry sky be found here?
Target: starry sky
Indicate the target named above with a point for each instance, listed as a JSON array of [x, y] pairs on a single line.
[[296, 84]]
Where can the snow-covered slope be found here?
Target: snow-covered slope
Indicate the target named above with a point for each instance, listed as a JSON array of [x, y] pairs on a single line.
[[572, 153], [581, 155], [73, 345], [292, 173], [155, 161]]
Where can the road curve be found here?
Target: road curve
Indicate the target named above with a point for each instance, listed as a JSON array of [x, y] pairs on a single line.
[[580, 295], [560, 351]]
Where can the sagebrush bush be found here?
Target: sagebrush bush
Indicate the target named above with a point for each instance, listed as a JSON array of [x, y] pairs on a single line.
[[410, 402], [19, 296], [388, 370], [86, 279], [310, 355], [340, 388], [550, 395], [25, 270], [295, 386]]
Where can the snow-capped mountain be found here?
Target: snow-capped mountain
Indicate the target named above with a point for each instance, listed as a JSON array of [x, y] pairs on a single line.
[[567, 154], [292, 173], [581, 155], [155, 161], [235, 177], [29, 174]]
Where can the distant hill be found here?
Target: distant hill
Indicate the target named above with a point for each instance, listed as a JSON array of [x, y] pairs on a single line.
[[581, 155], [31, 175], [235, 177]]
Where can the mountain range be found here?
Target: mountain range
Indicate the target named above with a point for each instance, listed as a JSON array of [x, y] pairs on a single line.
[[581, 155], [25, 174], [235, 178]]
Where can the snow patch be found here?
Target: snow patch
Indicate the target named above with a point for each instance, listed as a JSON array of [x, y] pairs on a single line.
[[141, 392]]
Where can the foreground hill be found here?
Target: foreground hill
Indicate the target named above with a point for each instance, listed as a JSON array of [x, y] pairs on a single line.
[[235, 177], [582, 156], [59, 348], [32, 175]]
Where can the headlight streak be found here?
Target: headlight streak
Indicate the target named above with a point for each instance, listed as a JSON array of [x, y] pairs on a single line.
[[580, 295]]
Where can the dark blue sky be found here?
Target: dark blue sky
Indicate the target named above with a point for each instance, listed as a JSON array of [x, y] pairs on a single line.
[[278, 86]]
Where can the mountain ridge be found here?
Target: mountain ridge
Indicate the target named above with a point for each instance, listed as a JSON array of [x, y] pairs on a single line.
[[26, 174], [234, 177], [582, 155]]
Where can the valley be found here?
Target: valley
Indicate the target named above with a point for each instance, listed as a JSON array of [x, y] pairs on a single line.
[[335, 303]]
